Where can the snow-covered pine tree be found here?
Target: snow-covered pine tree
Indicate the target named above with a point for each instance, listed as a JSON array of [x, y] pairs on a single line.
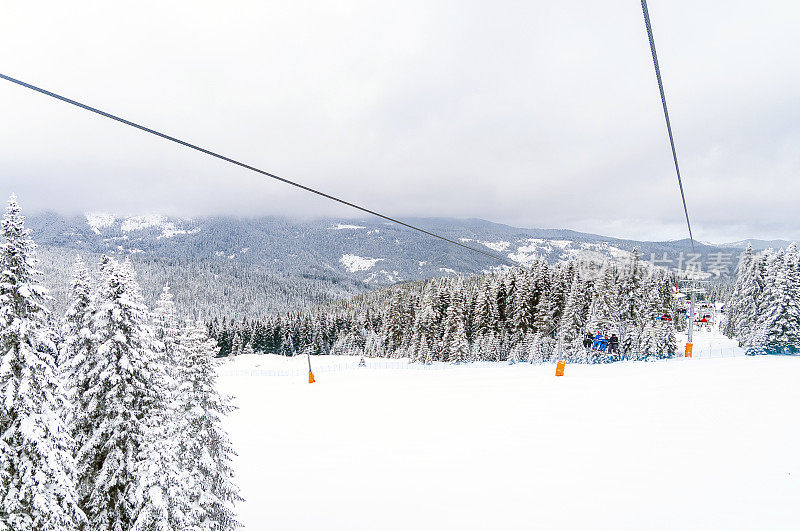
[[779, 320], [204, 447], [162, 487], [536, 349], [573, 318], [603, 308], [76, 330], [305, 339], [552, 305], [517, 352], [479, 350], [161, 481], [486, 313], [501, 296], [746, 318], [540, 302], [459, 346], [372, 345], [414, 341], [237, 346], [449, 332], [736, 303], [426, 328], [526, 345], [165, 325], [631, 303], [393, 325], [76, 347], [424, 354], [668, 343], [521, 311], [121, 395], [792, 259], [648, 344], [455, 347], [494, 347], [287, 347], [37, 471], [631, 290], [653, 307]]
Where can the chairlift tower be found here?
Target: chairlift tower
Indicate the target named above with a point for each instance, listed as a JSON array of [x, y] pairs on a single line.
[[692, 287]]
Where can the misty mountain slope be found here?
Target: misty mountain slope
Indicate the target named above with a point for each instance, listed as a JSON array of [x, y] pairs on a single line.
[[204, 288], [249, 266]]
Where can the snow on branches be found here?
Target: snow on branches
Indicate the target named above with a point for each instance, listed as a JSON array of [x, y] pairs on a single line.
[[113, 422], [514, 315]]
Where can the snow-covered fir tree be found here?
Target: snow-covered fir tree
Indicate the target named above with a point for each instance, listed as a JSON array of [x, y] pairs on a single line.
[[237, 347], [76, 330], [77, 345], [603, 309], [748, 301], [736, 303], [165, 325], [204, 447], [522, 303], [37, 471], [455, 344], [763, 310], [161, 483], [394, 324], [779, 317], [575, 311], [121, 396], [486, 313]]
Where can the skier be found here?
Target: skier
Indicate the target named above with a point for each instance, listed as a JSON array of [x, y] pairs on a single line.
[[613, 344], [587, 341], [597, 339], [603, 343]]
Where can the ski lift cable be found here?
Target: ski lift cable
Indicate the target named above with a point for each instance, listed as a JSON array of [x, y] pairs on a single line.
[[666, 115], [506, 261]]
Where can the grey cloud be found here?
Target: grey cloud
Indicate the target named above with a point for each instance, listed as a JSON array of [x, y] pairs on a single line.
[[533, 113]]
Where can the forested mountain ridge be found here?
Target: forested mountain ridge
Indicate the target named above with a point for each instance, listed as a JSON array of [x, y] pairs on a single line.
[[251, 266]]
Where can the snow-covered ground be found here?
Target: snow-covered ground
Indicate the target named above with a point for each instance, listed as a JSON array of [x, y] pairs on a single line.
[[677, 444], [353, 263]]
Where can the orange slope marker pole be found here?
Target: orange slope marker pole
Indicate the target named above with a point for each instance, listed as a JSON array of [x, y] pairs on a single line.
[[310, 374]]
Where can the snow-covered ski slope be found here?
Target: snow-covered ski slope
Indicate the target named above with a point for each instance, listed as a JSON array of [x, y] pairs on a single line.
[[676, 444]]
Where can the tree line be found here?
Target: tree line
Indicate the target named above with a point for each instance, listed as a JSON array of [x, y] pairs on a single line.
[[510, 315], [109, 417]]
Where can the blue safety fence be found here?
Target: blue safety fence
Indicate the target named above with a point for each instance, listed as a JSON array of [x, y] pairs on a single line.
[[772, 351]]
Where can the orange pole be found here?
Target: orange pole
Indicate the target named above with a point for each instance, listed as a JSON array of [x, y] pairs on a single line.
[[310, 374], [560, 368]]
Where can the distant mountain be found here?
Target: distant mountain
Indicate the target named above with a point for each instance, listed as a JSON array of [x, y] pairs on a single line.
[[759, 245], [295, 263]]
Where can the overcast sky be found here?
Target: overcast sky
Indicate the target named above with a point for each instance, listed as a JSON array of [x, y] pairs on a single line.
[[532, 113]]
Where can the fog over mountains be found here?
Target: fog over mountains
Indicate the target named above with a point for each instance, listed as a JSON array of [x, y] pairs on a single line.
[[249, 266]]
